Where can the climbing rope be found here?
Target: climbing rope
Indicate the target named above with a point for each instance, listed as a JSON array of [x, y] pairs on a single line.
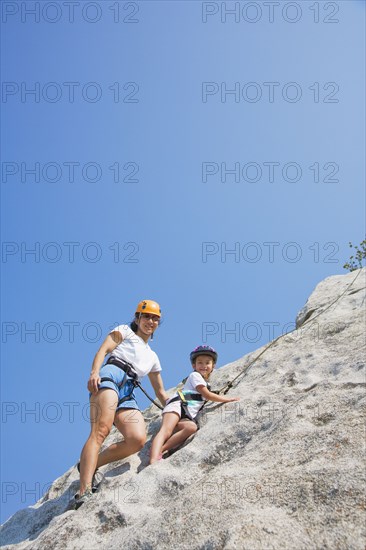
[[148, 396], [229, 385]]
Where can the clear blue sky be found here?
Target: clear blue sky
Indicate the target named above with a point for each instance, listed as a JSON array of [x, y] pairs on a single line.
[[141, 96]]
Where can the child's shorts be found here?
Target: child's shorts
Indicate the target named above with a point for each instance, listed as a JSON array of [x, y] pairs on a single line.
[[173, 407], [117, 375]]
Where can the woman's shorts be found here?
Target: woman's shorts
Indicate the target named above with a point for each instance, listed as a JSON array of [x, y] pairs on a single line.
[[117, 375]]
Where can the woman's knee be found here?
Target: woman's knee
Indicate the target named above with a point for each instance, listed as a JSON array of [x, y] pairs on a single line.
[[100, 432], [137, 441]]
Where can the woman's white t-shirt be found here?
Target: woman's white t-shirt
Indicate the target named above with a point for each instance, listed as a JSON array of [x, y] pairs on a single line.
[[136, 351]]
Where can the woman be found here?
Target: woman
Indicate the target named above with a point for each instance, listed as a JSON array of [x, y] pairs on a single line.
[[112, 399]]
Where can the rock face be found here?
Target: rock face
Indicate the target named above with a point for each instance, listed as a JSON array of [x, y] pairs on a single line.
[[282, 469]]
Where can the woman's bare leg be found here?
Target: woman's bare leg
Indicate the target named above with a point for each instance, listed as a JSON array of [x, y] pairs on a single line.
[[131, 424], [102, 410]]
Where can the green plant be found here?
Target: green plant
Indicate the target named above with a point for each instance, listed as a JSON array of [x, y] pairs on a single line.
[[355, 262]]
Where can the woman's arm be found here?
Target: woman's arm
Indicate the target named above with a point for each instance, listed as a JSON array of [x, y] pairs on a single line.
[[210, 396], [157, 383], [110, 343]]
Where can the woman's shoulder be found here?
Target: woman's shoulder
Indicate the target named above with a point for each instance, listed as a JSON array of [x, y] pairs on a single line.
[[125, 330]]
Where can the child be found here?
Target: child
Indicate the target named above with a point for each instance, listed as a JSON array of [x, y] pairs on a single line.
[[180, 411]]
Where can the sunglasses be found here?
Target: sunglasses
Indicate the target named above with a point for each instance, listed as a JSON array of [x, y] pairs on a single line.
[[149, 316]]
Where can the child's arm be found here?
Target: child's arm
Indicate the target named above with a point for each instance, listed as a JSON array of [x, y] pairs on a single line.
[[210, 396]]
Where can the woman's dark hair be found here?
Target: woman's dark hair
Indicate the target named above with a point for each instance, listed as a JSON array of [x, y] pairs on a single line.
[[133, 325]]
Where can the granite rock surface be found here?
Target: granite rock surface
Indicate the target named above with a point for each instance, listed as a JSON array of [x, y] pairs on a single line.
[[282, 469]]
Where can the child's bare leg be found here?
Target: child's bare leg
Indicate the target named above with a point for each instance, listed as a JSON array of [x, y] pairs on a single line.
[[170, 420], [185, 428]]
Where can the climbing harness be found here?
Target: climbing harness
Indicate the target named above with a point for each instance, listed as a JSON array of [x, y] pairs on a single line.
[[229, 385], [131, 375], [185, 397]]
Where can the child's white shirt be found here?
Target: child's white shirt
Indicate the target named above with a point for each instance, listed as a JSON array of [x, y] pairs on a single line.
[[194, 379]]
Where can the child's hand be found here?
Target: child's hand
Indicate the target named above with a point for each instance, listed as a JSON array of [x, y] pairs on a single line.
[[231, 399]]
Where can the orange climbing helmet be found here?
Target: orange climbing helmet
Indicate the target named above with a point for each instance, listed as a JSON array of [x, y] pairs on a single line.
[[149, 306]]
